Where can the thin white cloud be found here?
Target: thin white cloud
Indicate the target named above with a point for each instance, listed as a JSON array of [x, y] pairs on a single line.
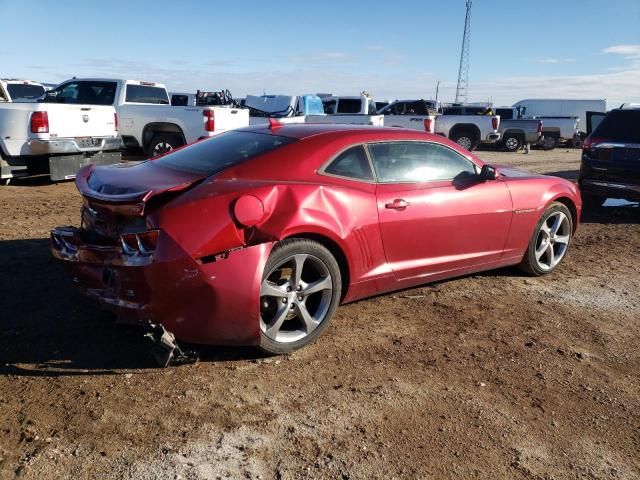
[[554, 60], [630, 51]]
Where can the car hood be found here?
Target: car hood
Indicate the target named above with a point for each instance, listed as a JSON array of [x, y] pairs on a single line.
[[512, 172]]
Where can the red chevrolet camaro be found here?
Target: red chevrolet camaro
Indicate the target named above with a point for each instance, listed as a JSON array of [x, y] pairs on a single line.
[[255, 236]]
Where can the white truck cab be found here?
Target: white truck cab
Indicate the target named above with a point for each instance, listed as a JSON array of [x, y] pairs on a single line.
[[14, 90]]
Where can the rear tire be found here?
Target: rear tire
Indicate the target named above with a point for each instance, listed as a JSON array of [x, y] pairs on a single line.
[[466, 139], [161, 144], [300, 291], [550, 241], [512, 143], [548, 142]]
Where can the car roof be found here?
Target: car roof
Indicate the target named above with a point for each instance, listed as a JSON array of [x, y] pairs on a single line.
[[301, 131]]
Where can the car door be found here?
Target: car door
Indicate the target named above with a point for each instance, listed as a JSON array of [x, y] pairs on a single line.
[[435, 215]]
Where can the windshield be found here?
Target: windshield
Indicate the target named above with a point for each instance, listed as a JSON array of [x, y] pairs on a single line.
[[221, 152], [21, 91]]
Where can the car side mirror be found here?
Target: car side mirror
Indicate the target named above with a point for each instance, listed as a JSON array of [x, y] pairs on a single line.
[[488, 173]]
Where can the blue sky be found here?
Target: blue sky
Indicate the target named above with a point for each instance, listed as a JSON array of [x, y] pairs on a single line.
[[519, 48]]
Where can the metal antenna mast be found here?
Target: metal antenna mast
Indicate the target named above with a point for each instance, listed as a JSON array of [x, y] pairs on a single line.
[[463, 72]]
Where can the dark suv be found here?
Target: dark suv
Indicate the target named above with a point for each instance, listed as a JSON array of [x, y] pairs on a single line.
[[611, 159]]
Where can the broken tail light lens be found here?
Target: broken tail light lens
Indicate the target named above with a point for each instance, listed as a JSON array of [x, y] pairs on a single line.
[[495, 123], [139, 244]]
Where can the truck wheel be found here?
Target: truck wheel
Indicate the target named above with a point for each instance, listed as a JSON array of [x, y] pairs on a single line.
[[512, 143], [548, 142], [465, 139], [161, 144]]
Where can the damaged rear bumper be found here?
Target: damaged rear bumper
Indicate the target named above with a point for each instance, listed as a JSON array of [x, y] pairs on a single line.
[[213, 303]]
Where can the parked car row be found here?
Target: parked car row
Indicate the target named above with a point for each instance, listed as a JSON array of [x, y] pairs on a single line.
[[102, 116]]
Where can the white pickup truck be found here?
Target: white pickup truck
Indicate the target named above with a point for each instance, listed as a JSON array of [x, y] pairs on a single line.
[[147, 120], [14, 90], [55, 139]]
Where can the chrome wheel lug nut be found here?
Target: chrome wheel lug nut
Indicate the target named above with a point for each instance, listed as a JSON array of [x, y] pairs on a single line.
[[284, 300], [299, 287]]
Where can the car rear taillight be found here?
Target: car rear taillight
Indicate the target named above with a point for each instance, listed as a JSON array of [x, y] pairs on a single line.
[[115, 120], [428, 125], [495, 122], [39, 122], [540, 125], [139, 244], [209, 121]]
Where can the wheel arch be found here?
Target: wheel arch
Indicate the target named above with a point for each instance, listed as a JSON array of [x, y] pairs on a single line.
[[150, 130], [336, 250], [464, 127], [573, 210]]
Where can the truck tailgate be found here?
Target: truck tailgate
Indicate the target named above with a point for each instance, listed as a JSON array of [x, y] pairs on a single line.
[[228, 118], [73, 121]]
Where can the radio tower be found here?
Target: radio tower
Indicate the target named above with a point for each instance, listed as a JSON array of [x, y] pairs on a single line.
[[463, 72]]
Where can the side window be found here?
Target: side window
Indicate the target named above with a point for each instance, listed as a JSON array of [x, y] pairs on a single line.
[[505, 113], [350, 105], [329, 107], [419, 108], [146, 94], [418, 162], [352, 163], [398, 108]]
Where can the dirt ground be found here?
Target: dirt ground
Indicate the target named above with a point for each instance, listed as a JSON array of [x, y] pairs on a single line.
[[497, 375]]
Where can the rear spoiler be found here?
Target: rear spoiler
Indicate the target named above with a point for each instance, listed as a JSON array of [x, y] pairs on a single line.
[[129, 203]]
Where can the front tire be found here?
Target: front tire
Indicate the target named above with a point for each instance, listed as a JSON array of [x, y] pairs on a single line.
[[300, 291], [550, 241], [512, 143]]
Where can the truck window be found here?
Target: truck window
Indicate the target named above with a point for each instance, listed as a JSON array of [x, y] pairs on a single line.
[[350, 105], [452, 111], [179, 100], [329, 106], [84, 93], [505, 113], [417, 108], [146, 94], [21, 91]]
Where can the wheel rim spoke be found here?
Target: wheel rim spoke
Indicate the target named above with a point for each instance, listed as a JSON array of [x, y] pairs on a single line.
[[305, 316], [557, 222], [318, 286], [298, 265], [278, 320], [551, 255], [540, 251], [269, 289], [564, 239]]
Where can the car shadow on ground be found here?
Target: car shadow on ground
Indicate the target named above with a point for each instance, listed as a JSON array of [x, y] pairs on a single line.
[[47, 328], [613, 212]]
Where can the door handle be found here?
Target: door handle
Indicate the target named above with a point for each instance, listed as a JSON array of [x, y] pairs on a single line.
[[397, 204]]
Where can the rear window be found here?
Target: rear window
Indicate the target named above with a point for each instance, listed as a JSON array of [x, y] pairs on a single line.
[[19, 91], [146, 94], [621, 125], [222, 151], [349, 105], [505, 113], [83, 92]]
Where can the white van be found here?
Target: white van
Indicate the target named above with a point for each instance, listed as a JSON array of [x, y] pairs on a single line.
[[560, 107]]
